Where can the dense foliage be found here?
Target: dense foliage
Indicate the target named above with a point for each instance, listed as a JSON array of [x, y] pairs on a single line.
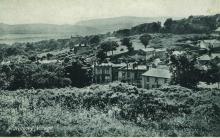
[[188, 72], [50, 75], [154, 27], [109, 46], [116, 109], [20, 76], [190, 25], [184, 70], [193, 24]]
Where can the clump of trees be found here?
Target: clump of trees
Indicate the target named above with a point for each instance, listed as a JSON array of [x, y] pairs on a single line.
[[109, 46], [127, 42], [20, 76], [35, 75], [184, 70], [94, 40], [193, 24], [145, 38], [153, 27], [187, 72], [122, 33]]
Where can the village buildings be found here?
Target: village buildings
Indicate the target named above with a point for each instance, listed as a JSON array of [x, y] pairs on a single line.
[[145, 76]]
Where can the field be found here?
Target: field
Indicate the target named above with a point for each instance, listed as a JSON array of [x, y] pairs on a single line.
[[116, 109]]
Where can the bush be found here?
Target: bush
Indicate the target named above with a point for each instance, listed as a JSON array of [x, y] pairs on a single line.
[[116, 109]]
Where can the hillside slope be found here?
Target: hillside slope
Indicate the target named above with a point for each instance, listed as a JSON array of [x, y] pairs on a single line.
[[114, 109]]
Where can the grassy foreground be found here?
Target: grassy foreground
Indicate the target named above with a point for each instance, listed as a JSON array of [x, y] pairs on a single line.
[[115, 109]]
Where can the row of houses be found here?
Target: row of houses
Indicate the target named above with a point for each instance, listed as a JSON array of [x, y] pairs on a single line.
[[142, 76]]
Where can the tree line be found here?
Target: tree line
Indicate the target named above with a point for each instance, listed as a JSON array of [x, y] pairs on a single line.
[[52, 75], [190, 25]]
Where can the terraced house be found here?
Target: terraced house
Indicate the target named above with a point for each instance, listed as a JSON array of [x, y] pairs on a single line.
[[132, 74], [106, 72]]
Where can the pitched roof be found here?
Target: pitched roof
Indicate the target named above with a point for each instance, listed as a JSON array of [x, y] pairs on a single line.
[[160, 73], [131, 67], [218, 29], [161, 50], [148, 49], [112, 64], [207, 57], [177, 52]]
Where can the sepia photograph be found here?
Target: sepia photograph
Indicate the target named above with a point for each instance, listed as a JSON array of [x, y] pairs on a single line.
[[109, 68]]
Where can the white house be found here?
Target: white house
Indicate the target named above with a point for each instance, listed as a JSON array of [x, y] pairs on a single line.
[[155, 77]]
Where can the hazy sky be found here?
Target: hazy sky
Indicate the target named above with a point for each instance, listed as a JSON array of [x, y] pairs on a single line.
[[71, 11]]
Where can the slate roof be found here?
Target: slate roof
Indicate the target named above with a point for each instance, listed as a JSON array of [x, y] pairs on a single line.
[[159, 73], [112, 64], [207, 57], [218, 29]]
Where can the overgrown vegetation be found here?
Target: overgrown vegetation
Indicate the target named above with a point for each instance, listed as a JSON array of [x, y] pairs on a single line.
[[116, 109]]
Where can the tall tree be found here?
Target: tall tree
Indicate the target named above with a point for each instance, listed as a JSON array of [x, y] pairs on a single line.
[[79, 75], [167, 24], [101, 55], [145, 39], [184, 69]]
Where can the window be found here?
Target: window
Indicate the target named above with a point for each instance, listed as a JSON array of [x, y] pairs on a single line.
[[107, 78], [135, 75], [165, 80], [148, 79], [129, 74], [148, 86], [106, 71], [156, 80], [123, 74]]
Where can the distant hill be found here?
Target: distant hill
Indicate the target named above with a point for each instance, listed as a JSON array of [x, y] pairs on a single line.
[[111, 24], [131, 25], [86, 27]]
